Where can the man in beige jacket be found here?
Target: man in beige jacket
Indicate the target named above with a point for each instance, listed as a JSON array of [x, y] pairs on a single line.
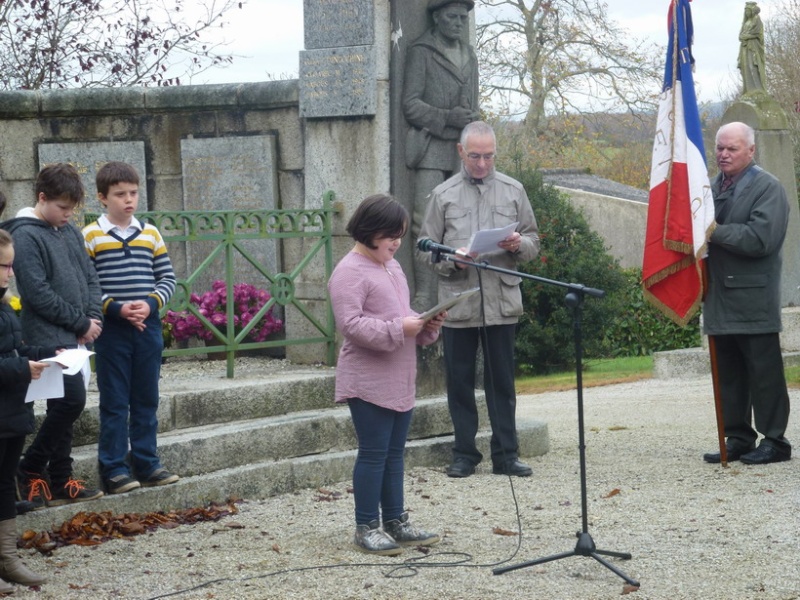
[[479, 198]]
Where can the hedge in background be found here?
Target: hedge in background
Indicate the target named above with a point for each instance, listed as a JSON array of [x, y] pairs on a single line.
[[619, 324], [572, 253], [641, 329]]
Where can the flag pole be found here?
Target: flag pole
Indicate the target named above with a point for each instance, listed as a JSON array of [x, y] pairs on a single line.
[[712, 354]]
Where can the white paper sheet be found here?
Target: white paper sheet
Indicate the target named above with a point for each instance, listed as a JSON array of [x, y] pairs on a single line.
[[486, 240], [73, 360], [51, 383]]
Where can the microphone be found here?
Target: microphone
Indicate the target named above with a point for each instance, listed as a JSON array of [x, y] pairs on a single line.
[[426, 245]]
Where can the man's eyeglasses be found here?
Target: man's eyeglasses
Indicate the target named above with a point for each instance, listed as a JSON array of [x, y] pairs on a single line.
[[476, 157], [7, 267]]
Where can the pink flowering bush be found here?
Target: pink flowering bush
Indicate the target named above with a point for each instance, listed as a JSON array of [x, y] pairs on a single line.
[[247, 300]]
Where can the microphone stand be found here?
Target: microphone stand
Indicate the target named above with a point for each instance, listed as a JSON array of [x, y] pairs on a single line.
[[574, 298]]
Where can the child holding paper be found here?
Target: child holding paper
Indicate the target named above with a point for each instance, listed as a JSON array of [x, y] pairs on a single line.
[[376, 371], [60, 296], [18, 366]]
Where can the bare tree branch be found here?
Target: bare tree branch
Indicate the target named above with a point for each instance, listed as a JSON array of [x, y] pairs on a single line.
[[97, 43], [544, 57]]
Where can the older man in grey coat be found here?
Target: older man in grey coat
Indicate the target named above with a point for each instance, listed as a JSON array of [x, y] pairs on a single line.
[[742, 308]]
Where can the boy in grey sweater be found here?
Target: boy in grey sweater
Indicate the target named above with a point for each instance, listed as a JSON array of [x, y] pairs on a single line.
[[60, 296]]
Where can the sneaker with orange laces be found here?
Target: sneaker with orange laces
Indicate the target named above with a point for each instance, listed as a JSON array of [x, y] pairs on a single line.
[[73, 491], [33, 488]]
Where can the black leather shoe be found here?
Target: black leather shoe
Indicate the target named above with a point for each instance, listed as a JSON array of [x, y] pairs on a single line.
[[513, 467], [461, 467], [733, 454], [766, 454]]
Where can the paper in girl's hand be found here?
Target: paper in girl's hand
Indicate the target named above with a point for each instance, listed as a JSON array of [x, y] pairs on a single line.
[[447, 304], [49, 385], [51, 382]]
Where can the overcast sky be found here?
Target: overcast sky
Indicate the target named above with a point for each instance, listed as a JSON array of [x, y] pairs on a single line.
[[267, 36]]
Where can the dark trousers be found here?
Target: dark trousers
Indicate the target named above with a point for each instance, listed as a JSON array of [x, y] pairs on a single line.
[[752, 384], [460, 351], [378, 472], [50, 452], [10, 451], [128, 365]]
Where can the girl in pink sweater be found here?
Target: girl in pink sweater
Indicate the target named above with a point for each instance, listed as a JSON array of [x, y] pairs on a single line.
[[377, 368]]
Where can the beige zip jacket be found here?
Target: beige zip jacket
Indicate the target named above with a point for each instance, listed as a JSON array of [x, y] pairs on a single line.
[[459, 207]]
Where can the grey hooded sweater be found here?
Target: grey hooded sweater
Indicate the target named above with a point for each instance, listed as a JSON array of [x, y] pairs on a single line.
[[56, 280]]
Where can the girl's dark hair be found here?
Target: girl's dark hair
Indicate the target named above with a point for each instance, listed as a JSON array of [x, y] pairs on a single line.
[[378, 216]]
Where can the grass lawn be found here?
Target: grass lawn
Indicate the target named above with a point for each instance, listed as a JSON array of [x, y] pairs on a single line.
[[608, 372], [595, 372]]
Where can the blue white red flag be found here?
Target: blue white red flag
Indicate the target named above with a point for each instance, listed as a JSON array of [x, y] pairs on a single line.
[[681, 209]]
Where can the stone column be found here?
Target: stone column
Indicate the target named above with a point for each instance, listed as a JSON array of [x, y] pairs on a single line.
[[344, 104]]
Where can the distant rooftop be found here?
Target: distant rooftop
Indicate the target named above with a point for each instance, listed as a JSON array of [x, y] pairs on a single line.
[[581, 179]]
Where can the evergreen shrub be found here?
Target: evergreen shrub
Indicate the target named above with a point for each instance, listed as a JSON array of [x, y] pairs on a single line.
[[619, 324]]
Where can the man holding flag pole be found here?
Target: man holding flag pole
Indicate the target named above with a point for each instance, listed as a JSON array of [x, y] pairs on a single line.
[[742, 305], [742, 308]]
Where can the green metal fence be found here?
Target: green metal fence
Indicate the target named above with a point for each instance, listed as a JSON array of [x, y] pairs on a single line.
[[228, 231]]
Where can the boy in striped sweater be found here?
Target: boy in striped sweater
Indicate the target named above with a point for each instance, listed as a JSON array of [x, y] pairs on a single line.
[[137, 280]]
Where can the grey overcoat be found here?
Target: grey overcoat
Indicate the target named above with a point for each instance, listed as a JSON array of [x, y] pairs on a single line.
[[744, 256]]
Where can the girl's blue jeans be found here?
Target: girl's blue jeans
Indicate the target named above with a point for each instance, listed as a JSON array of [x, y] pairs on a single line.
[[378, 472]]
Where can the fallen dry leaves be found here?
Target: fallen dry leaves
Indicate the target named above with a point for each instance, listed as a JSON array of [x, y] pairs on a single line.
[[501, 531], [92, 528]]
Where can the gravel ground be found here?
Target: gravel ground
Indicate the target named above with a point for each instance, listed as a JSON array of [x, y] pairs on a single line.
[[695, 531]]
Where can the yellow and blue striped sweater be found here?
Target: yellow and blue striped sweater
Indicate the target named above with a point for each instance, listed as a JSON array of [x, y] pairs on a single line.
[[130, 269]]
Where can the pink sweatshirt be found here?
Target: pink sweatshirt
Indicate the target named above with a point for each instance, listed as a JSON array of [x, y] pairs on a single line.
[[377, 363]]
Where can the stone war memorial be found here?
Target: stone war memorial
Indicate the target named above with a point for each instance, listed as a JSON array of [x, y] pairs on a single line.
[[757, 108], [271, 146], [257, 181]]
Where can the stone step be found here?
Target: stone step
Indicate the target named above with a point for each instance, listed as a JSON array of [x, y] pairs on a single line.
[[256, 437], [207, 448], [265, 478], [207, 401]]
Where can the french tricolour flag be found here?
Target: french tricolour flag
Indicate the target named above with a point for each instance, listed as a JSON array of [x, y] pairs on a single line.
[[681, 209]]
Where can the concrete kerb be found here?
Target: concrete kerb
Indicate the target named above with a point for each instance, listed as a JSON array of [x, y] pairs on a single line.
[[695, 362]]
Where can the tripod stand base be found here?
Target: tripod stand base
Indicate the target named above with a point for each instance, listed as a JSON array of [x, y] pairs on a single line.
[[584, 547]]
